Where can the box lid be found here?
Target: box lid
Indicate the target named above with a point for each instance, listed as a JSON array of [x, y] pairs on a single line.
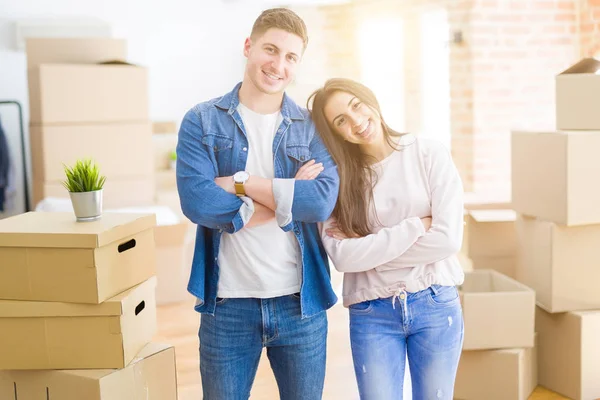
[[150, 350], [493, 215], [60, 229], [584, 66], [74, 50], [113, 306]]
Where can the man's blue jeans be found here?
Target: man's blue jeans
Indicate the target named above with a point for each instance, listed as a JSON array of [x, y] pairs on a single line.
[[232, 340], [427, 326]]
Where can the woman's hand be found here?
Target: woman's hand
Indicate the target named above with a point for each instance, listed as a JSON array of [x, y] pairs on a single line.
[[226, 183], [426, 223], [309, 171]]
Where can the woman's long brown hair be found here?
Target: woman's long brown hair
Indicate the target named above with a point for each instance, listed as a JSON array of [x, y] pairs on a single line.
[[357, 177]]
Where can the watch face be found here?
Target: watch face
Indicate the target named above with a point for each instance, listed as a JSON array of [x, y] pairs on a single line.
[[241, 176]]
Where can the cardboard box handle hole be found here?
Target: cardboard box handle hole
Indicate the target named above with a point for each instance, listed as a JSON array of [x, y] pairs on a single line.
[[140, 307], [130, 244]]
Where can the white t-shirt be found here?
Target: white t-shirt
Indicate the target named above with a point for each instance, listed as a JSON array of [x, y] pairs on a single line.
[[261, 261]]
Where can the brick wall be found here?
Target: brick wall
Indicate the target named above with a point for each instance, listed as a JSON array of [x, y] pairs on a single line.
[[517, 49], [501, 74], [589, 12]]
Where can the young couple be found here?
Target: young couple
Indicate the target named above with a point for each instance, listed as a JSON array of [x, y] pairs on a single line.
[[275, 190]]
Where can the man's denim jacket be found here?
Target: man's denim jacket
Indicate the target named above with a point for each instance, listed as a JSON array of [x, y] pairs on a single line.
[[212, 143]]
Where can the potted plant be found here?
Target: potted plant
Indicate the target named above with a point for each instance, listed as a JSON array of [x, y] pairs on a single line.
[[173, 159], [85, 184]]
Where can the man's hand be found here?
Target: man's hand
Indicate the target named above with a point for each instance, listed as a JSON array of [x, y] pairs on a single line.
[[261, 216], [309, 171], [226, 183]]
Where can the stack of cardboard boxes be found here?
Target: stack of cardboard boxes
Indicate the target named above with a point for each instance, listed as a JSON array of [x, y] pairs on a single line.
[[498, 359], [491, 240], [78, 310], [86, 101], [555, 194]]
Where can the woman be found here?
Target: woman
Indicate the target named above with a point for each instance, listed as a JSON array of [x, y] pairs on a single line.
[[395, 232]]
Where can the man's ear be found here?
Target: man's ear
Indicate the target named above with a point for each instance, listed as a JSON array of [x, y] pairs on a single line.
[[247, 45]]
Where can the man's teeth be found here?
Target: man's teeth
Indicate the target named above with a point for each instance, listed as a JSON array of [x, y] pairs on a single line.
[[272, 76]]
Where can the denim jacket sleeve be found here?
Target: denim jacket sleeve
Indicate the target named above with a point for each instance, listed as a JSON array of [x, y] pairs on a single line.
[[202, 200], [314, 200]]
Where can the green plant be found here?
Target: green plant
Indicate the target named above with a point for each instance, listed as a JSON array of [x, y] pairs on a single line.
[[84, 176], [173, 155]]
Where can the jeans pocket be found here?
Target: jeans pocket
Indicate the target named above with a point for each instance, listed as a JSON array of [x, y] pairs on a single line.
[[361, 308], [220, 300], [443, 295]]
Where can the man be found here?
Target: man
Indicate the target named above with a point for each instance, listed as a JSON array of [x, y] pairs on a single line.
[[255, 177]]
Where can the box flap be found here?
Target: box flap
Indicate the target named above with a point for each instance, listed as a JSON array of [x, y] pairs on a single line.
[[585, 66], [60, 230], [170, 235], [493, 215], [35, 309], [74, 50], [487, 281]]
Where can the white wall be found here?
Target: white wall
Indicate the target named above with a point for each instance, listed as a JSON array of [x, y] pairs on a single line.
[[192, 48]]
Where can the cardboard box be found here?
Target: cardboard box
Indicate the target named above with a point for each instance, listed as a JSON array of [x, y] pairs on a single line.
[[163, 145], [78, 93], [53, 335], [507, 374], [73, 50], [562, 264], [165, 180], [170, 198], [554, 184], [578, 96], [475, 202], [164, 127], [50, 257], [174, 253], [569, 353], [121, 150], [504, 265], [498, 311], [121, 192], [150, 376], [491, 233]]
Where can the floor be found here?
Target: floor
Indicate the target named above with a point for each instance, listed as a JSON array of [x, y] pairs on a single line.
[[178, 325]]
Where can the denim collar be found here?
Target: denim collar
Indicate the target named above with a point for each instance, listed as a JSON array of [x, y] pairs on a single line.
[[289, 109]]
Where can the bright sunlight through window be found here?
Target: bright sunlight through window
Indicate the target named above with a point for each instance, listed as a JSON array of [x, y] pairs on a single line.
[[381, 58]]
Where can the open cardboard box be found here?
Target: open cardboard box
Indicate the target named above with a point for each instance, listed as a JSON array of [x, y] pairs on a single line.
[[498, 311]]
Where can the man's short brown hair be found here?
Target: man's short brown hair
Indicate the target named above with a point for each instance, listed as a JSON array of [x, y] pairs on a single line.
[[280, 18]]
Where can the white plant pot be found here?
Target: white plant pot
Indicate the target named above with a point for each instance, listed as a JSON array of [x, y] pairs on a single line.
[[87, 205], [173, 163]]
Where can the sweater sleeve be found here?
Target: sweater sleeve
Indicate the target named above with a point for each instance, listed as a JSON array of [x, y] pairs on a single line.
[[365, 253], [444, 237]]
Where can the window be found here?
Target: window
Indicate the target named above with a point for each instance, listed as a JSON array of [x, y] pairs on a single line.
[[382, 66]]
